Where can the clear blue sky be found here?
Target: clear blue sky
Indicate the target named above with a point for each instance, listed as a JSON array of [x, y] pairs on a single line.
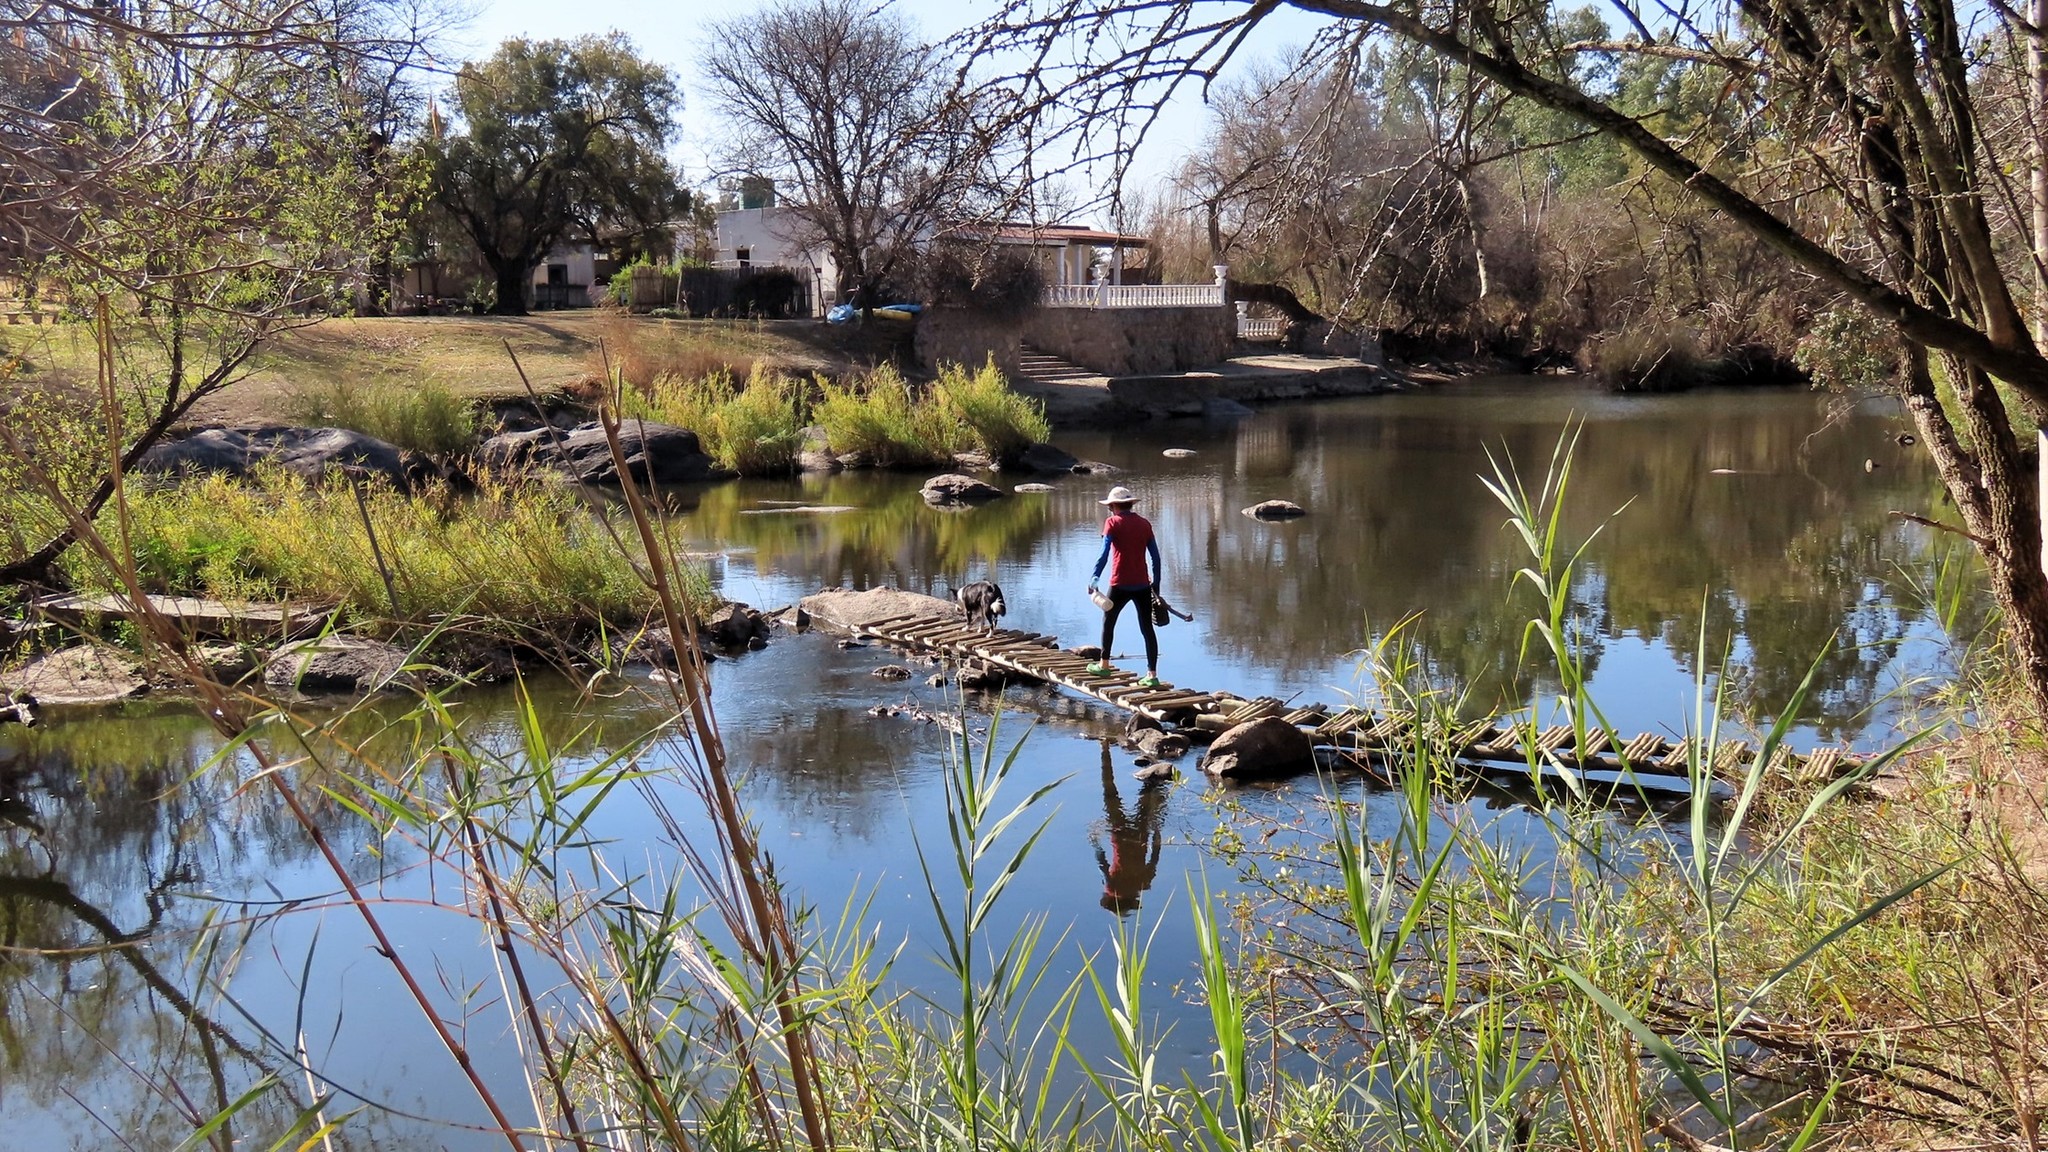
[[674, 34]]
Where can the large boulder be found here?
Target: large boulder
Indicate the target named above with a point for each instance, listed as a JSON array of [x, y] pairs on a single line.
[[656, 453], [1260, 749], [308, 452], [346, 664], [954, 488], [845, 609]]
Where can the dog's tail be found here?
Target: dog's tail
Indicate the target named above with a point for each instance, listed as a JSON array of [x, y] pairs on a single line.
[[996, 607]]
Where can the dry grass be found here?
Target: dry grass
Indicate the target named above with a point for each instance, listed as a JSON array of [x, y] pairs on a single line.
[[463, 354]]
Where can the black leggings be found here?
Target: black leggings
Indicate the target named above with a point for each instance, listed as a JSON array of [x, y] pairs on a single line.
[[1142, 597]]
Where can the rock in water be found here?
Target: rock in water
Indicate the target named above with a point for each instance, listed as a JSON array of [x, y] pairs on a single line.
[[307, 452], [1178, 453], [1274, 510], [891, 672], [1041, 458], [1161, 745], [1033, 488], [953, 488], [87, 674], [655, 453], [1260, 749], [350, 664], [734, 625]]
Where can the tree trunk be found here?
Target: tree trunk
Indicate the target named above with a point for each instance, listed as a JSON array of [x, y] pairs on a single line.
[[1998, 499], [512, 281]]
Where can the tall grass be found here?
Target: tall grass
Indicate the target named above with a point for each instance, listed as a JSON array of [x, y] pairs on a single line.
[[424, 417], [888, 420], [755, 428], [529, 556], [993, 417]]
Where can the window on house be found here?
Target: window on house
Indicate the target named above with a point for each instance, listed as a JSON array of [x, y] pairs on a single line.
[[745, 256], [558, 273]]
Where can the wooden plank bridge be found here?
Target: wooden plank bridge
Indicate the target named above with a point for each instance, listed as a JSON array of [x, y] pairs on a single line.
[[1355, 731]]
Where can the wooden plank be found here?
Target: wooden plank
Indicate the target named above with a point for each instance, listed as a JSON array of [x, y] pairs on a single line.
[[1821, 766], [1643, 749], [1554, 738], [194, 615], [1596, 743]]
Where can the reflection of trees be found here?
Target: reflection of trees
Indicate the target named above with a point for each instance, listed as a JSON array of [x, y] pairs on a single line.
[[1781, 554], [123, 850], [890, 537]]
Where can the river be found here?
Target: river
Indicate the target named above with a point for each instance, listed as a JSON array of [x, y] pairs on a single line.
[[1751, 521]]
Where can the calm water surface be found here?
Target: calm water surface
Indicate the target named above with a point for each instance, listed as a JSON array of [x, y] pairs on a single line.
[[1751, 521]]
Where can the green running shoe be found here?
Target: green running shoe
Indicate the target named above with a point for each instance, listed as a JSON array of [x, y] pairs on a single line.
[[1101, 669], [1148, 681]]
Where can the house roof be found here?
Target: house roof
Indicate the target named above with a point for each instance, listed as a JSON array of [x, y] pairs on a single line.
[[1053, 234]]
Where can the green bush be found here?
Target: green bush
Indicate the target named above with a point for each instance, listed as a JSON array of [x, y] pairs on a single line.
[[999, 421], [755, 429], [881, 418], [426, 417]]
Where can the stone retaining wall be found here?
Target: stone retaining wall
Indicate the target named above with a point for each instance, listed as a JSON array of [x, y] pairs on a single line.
[[1110, 341], [1134, 341], [957, 336]]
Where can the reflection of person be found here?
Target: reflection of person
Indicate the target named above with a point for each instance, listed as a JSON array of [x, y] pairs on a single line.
[[1127, 538], [1132, 862]]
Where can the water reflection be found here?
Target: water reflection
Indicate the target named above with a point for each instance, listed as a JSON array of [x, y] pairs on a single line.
[[1135, 835], [1752, 522]]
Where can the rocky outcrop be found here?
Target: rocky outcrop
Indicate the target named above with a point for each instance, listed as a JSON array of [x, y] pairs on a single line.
[[341, 664], [1274, 510], [308, 452], [655, 453], [1258, 750], [87, 674], [954, 488]]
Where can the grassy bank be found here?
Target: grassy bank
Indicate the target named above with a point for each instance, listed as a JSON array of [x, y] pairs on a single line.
[[532, 563], [464, 355]]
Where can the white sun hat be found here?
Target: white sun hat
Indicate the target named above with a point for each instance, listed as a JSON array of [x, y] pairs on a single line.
[[1119, 495]]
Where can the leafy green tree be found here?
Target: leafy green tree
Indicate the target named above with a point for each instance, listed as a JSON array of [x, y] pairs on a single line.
[[557, 139]]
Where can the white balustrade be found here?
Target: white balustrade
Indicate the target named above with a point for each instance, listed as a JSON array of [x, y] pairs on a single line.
[[1134, 296]]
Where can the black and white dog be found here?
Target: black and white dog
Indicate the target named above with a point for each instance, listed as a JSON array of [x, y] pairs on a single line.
[[983, 602]]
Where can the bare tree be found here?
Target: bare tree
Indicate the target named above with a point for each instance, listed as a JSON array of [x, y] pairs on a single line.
[[860, 122], [1875, 173], [193, 175]]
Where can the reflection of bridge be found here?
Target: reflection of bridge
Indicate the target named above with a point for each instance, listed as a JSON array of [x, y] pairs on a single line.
[[1355, 731]]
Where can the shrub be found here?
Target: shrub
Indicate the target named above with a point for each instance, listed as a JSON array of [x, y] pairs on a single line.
[[1001, 422], [879, 417], [998, 281], [1647, 360], [756, 430], [427, 417]]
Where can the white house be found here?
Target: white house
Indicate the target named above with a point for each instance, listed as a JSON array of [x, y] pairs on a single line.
[[768, 237], [572, 275]]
